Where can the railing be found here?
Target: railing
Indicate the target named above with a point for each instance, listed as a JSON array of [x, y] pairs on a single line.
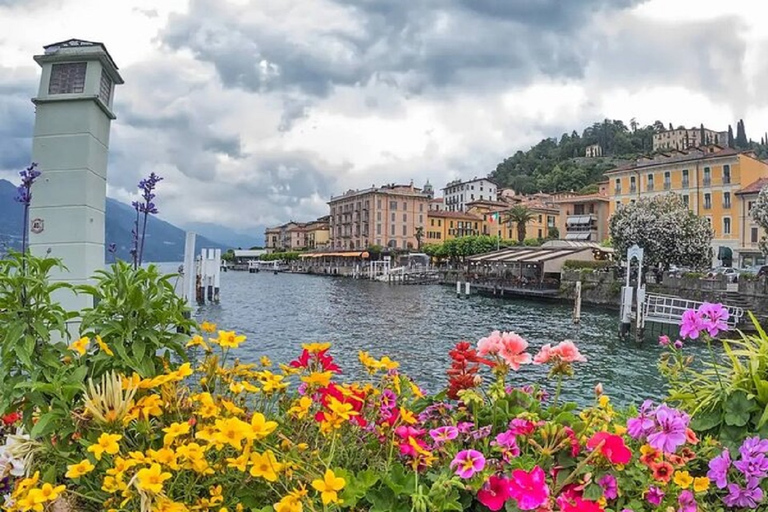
[[707, 181], [667, 185], [685, 183], [667, 309]]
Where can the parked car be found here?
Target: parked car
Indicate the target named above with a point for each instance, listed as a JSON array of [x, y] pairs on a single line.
[[731, 273]]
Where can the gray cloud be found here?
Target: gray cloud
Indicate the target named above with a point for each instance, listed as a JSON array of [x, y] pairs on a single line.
[[16, 117]]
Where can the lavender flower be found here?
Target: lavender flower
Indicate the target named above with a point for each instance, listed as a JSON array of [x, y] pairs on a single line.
[[610, 487], [654, 495], [753, 446], [643, 424], [718, 469], [744, 497], [481, 433], [687, 502], [24, 196], [670, 433], [755, 466], [146, 208]]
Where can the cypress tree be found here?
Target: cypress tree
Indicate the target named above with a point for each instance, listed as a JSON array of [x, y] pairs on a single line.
[[702, 137], [741, 135], [730, 137]]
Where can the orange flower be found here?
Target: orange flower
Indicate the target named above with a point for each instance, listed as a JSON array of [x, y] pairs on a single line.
[[649, 455], [690, 437], [662, 471], [687, 454]]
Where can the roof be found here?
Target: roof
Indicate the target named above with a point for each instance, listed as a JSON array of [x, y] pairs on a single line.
[[53, 48], [392, 189], [526, 254], [687, 156], [488, 202], [754, 187], [437, 200], [453, 215], [343, 254], [587, 198]]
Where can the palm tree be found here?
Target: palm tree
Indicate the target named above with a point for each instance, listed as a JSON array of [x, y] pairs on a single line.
[[520, 215], [419, 234]]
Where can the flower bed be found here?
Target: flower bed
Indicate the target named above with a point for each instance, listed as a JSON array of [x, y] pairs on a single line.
[[208, 432]]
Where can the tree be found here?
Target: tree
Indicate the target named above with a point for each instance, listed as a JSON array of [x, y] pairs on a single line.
[[633, 124], [553, 233], [741, 135], [668, 231], [520, 215], [702, 135], [730, 137]]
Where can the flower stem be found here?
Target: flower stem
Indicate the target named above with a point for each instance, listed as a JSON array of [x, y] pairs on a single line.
[[715, 364], [558, 390]]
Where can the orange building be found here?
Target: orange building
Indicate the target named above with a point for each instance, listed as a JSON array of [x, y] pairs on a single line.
[[584, 217]]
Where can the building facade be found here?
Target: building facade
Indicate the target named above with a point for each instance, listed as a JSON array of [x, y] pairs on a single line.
[[457, 194], [442, 226], [583, 217], [297, 236], [684, 138], [593, 151], [750, 233], [387, 216], [707, 179]]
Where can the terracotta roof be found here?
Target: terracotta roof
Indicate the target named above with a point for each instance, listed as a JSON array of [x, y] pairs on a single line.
[[453, 215], [582, 199], [754, 187], [488, 202], [437, 200]]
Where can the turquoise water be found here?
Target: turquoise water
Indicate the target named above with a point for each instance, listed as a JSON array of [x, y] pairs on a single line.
[[417, 325]]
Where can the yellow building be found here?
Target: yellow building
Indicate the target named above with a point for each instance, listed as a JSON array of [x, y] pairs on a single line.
[[495, 223], [445, 225], [750, 233], [706, 178]]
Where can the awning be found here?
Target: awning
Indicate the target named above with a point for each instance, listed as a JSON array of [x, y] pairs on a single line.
[[577, 236], [578, 220]]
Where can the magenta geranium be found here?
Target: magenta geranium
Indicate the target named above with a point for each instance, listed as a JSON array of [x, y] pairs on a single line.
[[444, 434], [467, 463], [494, 493], [529, 488]]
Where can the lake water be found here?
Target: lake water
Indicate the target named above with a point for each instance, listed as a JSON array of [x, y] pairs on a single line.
[[417, 325]]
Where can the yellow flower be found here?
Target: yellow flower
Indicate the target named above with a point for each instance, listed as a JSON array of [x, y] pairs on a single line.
[[240, 463], [300, 407], [314, 348], [48, 492], [232, 408], [320, 379], [150, 406], [271, 382], [164, 456], [683, 479], [103, 346], [81, 468], [197, 341], [700, 484], [228, 339], [265, 466], [185, 370], [173, 431], [208, 327], [151, 479], [121, 465], [113, 484], [416, 390], [29, 502], [603, 401], [232, 431], [407, 416], [328, 486], [288, 504], [166, 505], [265, 362], [620, 430], [80, 346], [342, 410], [261, 427], [106, 443]]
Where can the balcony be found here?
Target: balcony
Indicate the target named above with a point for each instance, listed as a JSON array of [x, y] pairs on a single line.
[[617, 190], [667, 185], [685, 183], [726, 179], [581, 225], [649, 187], [707, 181], [632, 188]]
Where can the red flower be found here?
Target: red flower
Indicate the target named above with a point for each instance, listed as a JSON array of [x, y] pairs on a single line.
[[326, 362], [465, 365], [11, 418], [302, 361], [690, 436], [494, 493], [662, 471], [611, 446], [355, 398], [581, 505]]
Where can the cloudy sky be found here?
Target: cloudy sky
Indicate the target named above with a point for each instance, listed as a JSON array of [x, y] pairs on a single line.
[[256, 111]]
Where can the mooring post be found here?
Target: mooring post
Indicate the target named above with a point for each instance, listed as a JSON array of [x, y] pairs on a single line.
[[458, 288], [188, 281], [466, 288], [577, 304]]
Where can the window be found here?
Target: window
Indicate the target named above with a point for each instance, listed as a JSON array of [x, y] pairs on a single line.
[[67, 78], [726, 225], [378, 205], [421, 207], [726, 199], [591, 208], [539, 219], [750, 204], [632, 184], [105, 87], [726, 174], [451, 225], [405, 217], [650, 182], [421, 219], [618, 185], [393, 205], [378, 216], [667, 181], [754, 235], [392, 229], [405, 205], [405, 230], [685, 178], [540, 234], [393, 216], [378, 230], [707, 176], [707, 201], [432, 222], [439, 223]]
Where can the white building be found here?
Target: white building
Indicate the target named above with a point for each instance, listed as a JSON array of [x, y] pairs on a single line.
[[457, 193]]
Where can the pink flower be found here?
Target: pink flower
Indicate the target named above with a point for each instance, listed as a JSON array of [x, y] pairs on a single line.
[[714, 317], [444, 434], [513, 350], [467, 463], [521, 427], [568, 352], [544, 355], [529, 489], [691, 324], [489, 345], [611, 446], [664, 340], [494, 493]]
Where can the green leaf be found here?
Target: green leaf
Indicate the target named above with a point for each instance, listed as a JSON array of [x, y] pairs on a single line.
[[738, 408], [593, 492], [401, 481], [45, 424], [704, 421]]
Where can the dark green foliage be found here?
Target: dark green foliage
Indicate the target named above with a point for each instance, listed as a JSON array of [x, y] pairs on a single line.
[[553, 166], [741, 136], [457, 249], [280, 256], [137, 313]]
